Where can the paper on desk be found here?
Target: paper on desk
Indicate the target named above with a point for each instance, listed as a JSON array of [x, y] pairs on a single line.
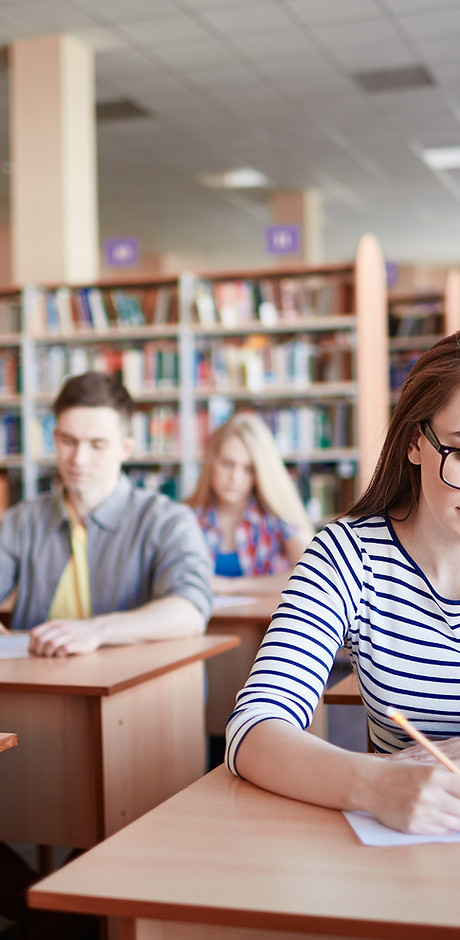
[[14, 646], [372, 832], [232, 600]]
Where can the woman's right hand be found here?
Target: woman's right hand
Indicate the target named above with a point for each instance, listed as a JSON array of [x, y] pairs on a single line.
[[416, 798]]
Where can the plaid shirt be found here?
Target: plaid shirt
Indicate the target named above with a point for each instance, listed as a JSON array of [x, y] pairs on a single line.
[[260, 539]]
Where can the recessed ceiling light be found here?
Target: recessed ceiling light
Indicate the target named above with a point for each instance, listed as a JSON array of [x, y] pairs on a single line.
[[441, 158], [399, 79], [244, 177], [120, 110]]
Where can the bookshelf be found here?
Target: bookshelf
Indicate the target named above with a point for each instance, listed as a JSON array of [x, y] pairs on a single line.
[[299, 346], [416, 320], [11, 424], [130, 329], [307, 347]]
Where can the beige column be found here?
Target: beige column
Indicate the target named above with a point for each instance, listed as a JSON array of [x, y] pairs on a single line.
[[54, 218], [303, 208]]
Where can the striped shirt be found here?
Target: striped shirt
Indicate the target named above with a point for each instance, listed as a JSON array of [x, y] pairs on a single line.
[[356, 586]]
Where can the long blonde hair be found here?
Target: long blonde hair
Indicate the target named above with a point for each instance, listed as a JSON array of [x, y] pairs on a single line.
[[274, 488]]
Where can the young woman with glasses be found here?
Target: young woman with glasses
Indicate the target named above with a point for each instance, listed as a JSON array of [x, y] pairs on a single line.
[[384, 581]]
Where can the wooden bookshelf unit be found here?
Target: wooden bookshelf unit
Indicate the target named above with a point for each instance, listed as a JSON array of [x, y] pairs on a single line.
[[306, 347]]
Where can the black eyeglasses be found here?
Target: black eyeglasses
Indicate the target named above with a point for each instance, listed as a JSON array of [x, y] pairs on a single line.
[[449, 471]]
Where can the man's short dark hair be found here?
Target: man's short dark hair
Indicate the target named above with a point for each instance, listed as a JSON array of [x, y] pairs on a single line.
[[95, 390]]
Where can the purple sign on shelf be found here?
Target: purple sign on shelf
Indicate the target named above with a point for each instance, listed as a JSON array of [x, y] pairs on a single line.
[[392, 273], [121, 251], [283, 239]]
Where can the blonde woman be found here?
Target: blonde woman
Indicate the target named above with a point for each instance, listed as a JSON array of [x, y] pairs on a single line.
[[252, 517]]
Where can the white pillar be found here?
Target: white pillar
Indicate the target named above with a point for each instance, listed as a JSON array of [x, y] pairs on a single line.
[[54, 213]]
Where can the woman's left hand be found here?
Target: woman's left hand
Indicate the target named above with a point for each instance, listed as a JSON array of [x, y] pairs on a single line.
[[450, 747]]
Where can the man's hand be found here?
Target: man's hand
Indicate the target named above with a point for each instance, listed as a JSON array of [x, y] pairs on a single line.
[[4, 630], [65, 637]]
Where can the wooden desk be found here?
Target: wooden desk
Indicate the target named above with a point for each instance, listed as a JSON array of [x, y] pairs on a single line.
[[226, 860], [249, 623], [7, 740], [105, 737], [344, 692]]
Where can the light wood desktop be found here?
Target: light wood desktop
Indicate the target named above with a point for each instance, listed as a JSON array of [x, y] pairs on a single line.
[[249, 623], [344, 692], [104, 737], [7, 740], [224, 859]]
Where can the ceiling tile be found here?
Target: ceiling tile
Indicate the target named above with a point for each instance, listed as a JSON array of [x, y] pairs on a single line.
[[172, 30], [254, 18], [195, 55], [329, 11], [47, 16], [356, 36], [274, 45], [119, 11], [434, 26]]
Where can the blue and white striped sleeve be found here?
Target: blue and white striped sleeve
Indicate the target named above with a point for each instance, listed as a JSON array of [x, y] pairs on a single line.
[[298, 650]]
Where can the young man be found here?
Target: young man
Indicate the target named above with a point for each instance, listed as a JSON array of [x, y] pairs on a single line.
[[102, 562]]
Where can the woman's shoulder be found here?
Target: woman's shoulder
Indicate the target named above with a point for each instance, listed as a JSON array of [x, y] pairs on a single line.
[[364, 530]]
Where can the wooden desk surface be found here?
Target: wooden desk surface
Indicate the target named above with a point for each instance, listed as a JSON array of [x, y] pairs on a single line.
[[256, 610], [7, 740], [224, 852], [344, 692], [110, 669]]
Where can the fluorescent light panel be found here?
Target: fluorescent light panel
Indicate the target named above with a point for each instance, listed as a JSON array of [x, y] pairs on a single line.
[[441, 158], [244, 177]]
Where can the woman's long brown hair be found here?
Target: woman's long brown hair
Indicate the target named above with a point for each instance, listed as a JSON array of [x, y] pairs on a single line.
[[395, 484]]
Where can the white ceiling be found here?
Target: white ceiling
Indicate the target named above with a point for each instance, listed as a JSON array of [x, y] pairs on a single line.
[[265, 83]]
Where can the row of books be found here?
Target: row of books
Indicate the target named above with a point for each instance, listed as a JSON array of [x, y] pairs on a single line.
[[258, 363], [297, 431], [141, 369], [155, 432], [270, 299], [422, 319], [10, 433], [10, 381], [326, 491], [400, 366], [68, 310], [10, 315]]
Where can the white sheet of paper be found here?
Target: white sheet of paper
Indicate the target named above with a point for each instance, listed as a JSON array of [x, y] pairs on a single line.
[[372, 832], [14, 646], [231, 600]]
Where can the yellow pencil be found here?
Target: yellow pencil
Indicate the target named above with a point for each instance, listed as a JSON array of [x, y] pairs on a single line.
[[417, 735]]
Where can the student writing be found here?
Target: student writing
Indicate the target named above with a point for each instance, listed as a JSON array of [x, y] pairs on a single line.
[[384, 581]]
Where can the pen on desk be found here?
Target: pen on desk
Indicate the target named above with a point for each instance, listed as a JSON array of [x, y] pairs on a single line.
[[417, 735]]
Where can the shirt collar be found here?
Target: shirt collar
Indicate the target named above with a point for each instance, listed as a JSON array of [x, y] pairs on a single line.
[[109, 513]]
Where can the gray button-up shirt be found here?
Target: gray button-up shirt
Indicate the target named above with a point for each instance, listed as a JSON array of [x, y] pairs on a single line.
[[141, 546]]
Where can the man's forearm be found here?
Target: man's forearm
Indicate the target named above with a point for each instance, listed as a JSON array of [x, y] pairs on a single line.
[[162, 619]]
